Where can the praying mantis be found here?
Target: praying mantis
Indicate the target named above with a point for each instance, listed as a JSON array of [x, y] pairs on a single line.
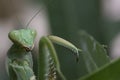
[[19, 58]]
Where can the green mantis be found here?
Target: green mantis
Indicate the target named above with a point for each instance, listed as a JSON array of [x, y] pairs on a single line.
[[20, 63], [19, 56]]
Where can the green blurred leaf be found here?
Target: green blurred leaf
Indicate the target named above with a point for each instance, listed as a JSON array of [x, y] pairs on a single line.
[[94, 54], [109, 72]]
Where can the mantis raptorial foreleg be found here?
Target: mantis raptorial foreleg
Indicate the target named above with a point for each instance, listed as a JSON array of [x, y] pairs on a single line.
[[48, 60]]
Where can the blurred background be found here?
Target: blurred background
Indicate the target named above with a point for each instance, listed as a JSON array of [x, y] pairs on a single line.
[[64, 18]]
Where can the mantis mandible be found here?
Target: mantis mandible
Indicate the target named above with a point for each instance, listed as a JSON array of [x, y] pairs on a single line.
[[20, 63]]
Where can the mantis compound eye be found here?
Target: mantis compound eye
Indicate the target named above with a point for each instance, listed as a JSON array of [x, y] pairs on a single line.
[[27, 49]]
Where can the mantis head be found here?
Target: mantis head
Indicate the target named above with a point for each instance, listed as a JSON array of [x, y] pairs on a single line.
[[23, 37]]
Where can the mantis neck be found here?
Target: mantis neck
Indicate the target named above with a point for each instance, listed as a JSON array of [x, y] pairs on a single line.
[[16, 51]]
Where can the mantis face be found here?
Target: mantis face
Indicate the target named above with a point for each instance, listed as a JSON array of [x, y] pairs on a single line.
[[23, 37]]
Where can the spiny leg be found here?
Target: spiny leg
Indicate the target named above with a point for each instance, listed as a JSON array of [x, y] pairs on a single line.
[[48, 61]]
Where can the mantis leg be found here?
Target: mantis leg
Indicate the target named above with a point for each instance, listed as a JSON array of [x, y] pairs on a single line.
[[48, 65]]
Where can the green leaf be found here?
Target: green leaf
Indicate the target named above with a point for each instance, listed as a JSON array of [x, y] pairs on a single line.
[[109, 72], [94, 54]]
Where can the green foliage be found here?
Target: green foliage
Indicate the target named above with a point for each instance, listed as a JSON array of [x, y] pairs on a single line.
[[94, 54], [108, 72], [98, 63]]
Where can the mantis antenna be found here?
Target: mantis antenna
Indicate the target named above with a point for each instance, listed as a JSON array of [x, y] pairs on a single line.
[[33, 17], [27, 25]]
